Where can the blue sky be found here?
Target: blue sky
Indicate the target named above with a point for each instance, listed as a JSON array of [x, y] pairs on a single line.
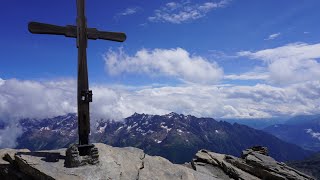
[[223, 58]]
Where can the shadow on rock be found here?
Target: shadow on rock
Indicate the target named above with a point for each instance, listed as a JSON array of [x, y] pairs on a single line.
[[46, 156]]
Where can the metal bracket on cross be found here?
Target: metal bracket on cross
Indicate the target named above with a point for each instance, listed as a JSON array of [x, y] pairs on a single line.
[[86, 96]]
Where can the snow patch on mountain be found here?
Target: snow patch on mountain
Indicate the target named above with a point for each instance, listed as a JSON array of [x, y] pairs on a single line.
[[166, 128], [102, 129], [119, 128], [150, 131], [140, 130], [45, 128], [129, 128]]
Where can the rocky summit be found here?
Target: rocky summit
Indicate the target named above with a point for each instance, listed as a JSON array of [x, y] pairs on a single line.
[[132, 163], [254, 164]]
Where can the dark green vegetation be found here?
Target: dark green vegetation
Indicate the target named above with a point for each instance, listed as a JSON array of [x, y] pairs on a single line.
[[173, 136]]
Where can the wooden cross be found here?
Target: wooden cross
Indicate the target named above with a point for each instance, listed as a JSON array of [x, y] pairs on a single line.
[[82, 33]]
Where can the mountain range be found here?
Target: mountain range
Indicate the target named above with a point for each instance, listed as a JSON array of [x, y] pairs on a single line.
[[176, 137], [257, 123], [300, 130]]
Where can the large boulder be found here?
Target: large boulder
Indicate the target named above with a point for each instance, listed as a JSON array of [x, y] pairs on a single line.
[[254, 164]]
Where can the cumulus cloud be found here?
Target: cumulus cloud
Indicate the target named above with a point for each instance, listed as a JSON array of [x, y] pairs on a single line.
[[176, 63], [33, 99], [180, 12], [273, 36], [57, 98], [30, 99], [292, 63]]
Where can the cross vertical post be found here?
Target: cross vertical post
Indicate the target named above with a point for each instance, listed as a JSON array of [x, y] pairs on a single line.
[[84, 95]]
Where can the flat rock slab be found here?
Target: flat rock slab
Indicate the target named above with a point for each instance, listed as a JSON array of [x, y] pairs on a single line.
[[115, 163], [7, 155]]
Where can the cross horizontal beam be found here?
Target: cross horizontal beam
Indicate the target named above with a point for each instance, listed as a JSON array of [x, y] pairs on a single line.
[[71, 31]]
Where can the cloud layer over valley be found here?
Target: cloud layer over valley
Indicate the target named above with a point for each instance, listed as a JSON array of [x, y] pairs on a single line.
[[289, 86], [31, 99]]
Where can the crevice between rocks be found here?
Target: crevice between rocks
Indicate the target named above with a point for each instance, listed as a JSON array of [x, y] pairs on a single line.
[[141, 166]]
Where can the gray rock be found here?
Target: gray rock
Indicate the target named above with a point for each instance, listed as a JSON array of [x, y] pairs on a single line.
[[254, 164], [270, 168], [219, 164], [115, 163], [132, 163], [7, 167], [7, 155], [258, 149]]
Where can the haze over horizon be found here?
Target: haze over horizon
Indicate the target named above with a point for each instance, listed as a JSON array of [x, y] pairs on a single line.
[[220, 59]]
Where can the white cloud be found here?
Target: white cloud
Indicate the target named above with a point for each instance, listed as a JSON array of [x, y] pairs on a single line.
[[32, 99], [292, 63], [176, 63], [216, 54], [313, 134], [20, 99], [295, 66], [9, 135], [273, 36], [184, 11], [247, 76], [172, 5], [128, 11], [1, 81]]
